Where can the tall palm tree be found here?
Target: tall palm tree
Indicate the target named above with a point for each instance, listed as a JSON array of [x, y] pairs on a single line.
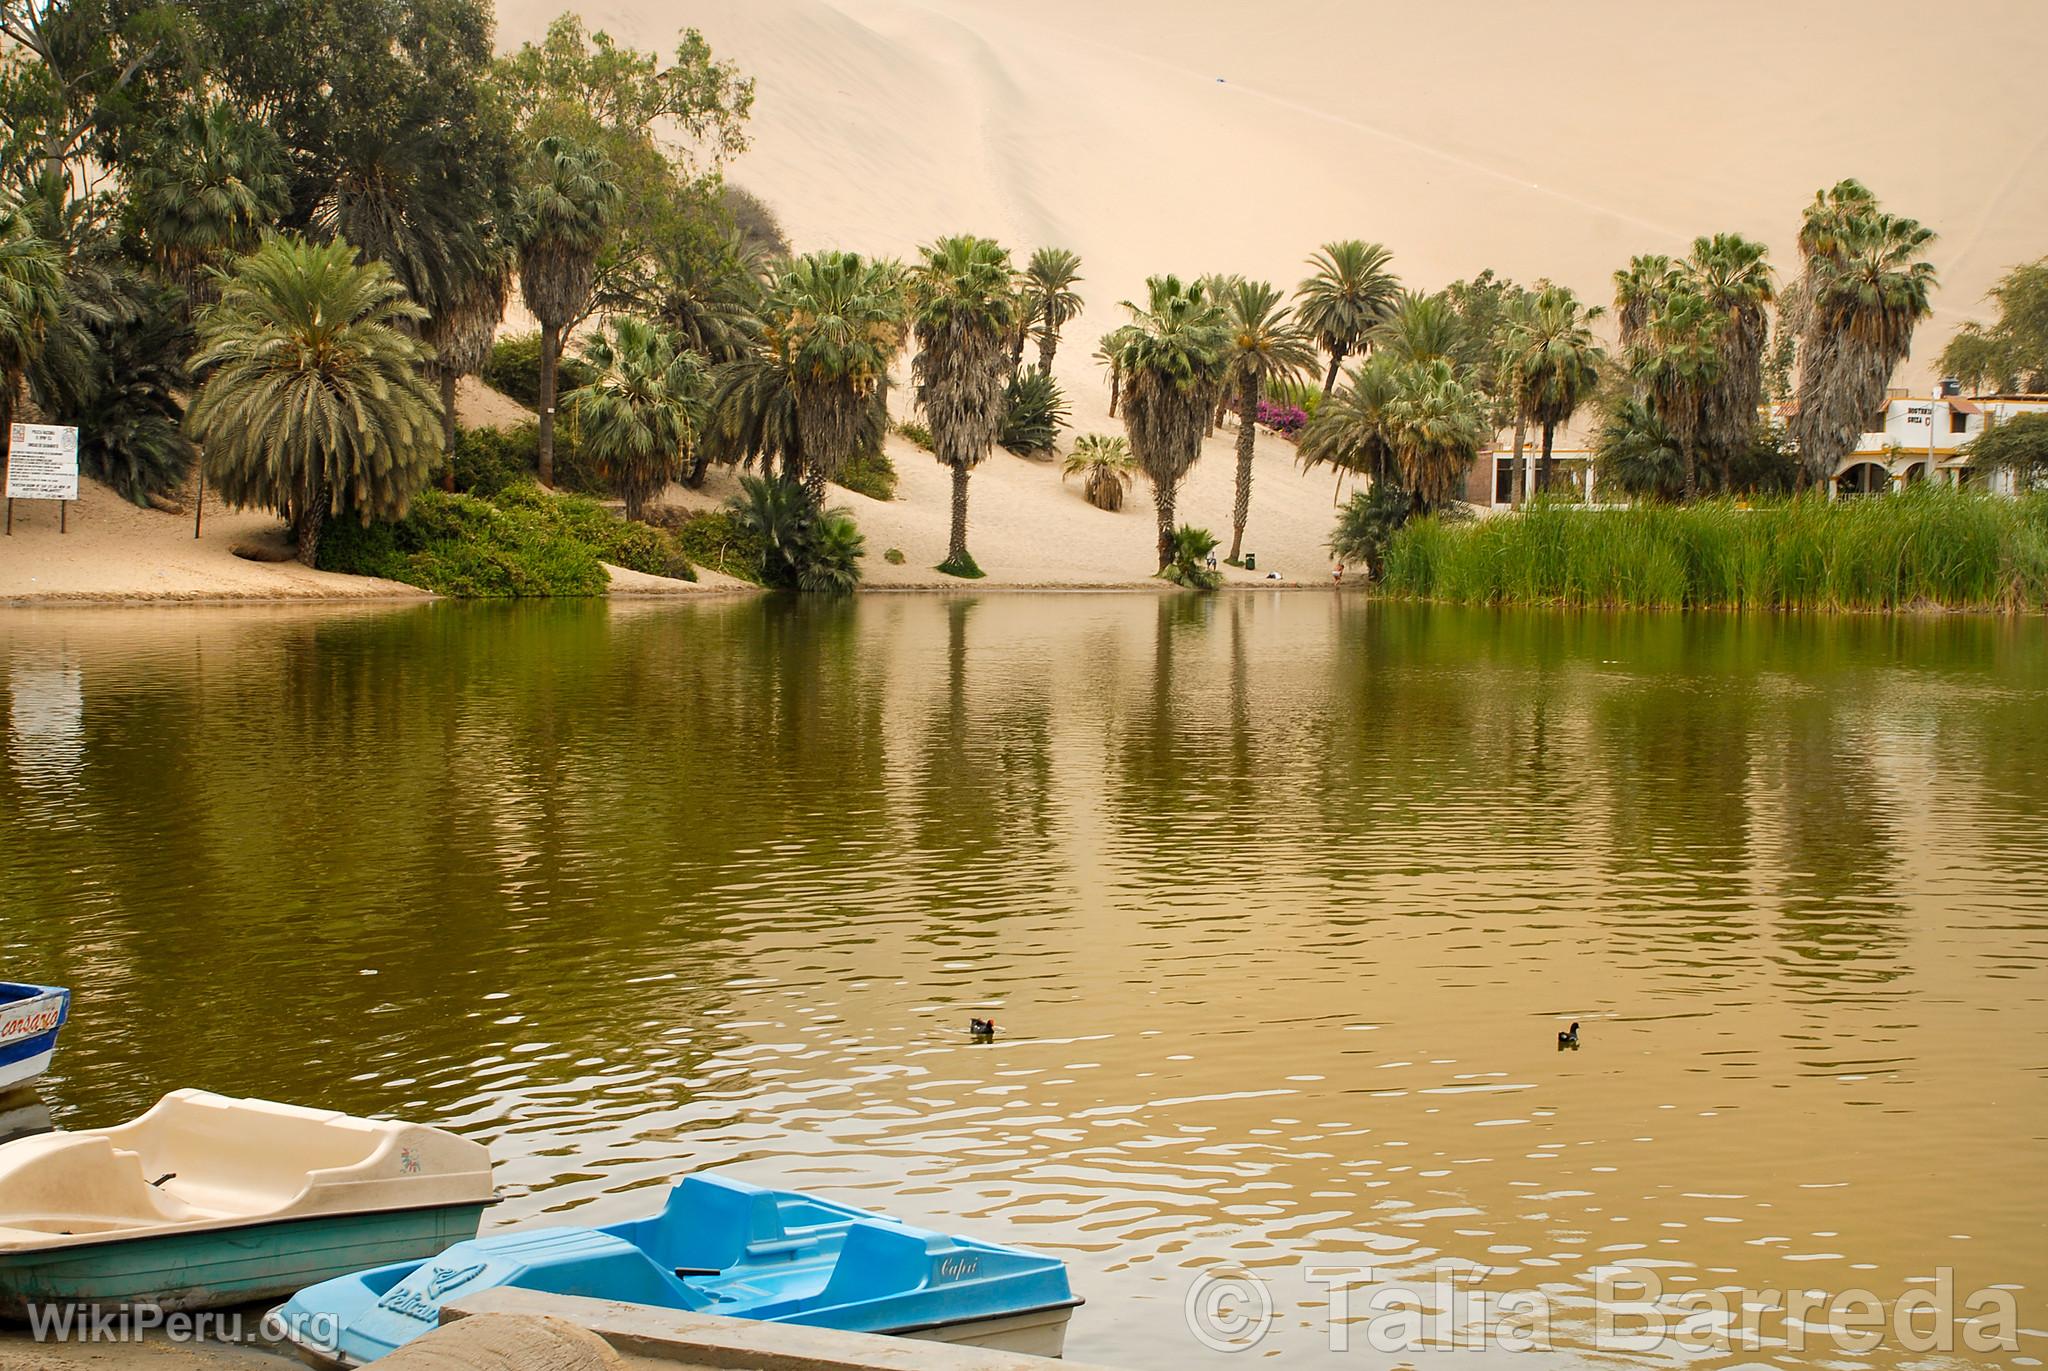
[[1350, 430], [1640, 290], [641, 410], [1732, 274], [1676, 359], [1435, 425], [31, 297], [1265, 343], [204, 191], [1051, 300], [1422, 328], [963, 306], [1173, 356], [1866, 286], [1555, 362], [1517, 316], [460, 332], [835, 322], [1349, 293], [564, 219], [314, 399]]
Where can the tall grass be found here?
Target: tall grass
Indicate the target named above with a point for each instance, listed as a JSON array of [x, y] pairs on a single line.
[[1924, 547]]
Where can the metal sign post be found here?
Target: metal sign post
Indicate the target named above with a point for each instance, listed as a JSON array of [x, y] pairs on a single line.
[[42, 464]]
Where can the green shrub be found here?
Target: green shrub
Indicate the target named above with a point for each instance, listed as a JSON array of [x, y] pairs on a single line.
[[964, 566], [487, 459], [1034, 411], [894, 556], [715, 539], [522, 542], [467, 547], [1941, 547], [1189, 568], [514, 368], [916, 433], [871, 474]]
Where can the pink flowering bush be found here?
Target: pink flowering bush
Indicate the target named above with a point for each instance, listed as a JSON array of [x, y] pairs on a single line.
[[1282, 419]]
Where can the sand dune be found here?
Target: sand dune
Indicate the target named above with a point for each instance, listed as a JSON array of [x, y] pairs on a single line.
[[1540, 140]]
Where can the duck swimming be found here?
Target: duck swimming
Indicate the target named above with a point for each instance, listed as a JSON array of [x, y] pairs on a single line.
[[1570, 1039], [986, 1028]]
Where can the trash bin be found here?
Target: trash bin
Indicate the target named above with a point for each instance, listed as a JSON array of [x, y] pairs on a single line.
[[1251, 561]]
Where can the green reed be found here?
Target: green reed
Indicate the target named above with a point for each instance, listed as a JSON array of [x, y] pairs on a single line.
[[1941, 548]]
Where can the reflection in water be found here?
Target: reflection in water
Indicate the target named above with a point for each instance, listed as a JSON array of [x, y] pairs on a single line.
[[1280, 899]]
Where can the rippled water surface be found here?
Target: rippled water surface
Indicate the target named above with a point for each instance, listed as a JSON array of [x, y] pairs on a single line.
[[1280, 901]]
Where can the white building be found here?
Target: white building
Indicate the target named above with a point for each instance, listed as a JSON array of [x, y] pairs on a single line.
[[1920, 433]]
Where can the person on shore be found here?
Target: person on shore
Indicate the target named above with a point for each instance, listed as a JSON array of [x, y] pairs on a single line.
[[1337, 576]]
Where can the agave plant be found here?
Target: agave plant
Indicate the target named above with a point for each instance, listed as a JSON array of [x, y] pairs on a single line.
[[1034, 411], [1103, 462]]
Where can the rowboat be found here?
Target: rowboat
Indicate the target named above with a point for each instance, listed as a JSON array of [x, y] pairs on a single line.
[[205, 1200], [718, 1246], [30, 1016]]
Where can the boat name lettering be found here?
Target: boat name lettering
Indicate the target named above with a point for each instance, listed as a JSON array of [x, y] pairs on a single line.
[[28, 1025], [412, 1305], [958, 1268]]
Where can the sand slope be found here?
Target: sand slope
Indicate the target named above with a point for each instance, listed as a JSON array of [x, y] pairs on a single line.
[[1541, 140]]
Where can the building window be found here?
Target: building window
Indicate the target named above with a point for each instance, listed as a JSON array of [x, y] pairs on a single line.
[[1958, 422]]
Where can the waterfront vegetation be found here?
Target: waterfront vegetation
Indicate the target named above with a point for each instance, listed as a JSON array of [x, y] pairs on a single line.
[[188, 222], [1921, 549]]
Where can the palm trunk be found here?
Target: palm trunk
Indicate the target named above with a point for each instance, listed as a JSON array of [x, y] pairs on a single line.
[[1116, 384], [1048, 344], [448, 430], [306, 527], [1543, 467], [1162, 500], [1247, 440], [1521, 486], [1330, 381], [6, 438], [550, 341], [956, 546], [1692, 468], [814, 486], [698, 466]]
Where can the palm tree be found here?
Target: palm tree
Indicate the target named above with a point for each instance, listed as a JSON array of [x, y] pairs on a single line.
[[1639, 293], [314, 398], [1349, 294], [1436, 425], [563, 222], [1104, 464], [1732, 275], [1265, 343], [963, 307], [31, 297], [1555, 362], [1051, 301], [640, 413], [1350, 430], [708, 297], [1676, 358], [204, 191], [1866, 287], [1173, 356], [1518, 315], [835, 321], [1422, 328]]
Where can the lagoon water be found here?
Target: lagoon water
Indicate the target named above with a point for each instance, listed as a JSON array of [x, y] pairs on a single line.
[[1279, 899]]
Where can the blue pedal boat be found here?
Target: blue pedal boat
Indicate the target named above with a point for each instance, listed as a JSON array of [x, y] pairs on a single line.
[[718, 1246], [30, 1016]]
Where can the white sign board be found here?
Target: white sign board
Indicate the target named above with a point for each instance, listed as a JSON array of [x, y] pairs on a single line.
[[42, 462]]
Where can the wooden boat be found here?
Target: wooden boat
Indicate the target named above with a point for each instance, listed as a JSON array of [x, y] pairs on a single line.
[[206, 1200], [30, 1016], [718, 1246]]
